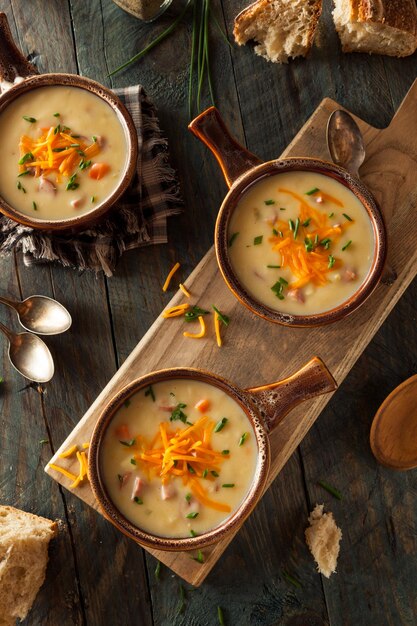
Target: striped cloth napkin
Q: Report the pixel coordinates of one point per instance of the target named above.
(138, 219)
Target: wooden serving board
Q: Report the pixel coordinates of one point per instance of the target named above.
(256, 352)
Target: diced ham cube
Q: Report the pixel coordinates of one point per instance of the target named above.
(123, 480)
(349, 274)
(138, 487)
(168, 491)
(46, 185)
(296, 294)
(77, 203)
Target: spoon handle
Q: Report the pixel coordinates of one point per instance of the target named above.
(7, 332)
(8, 302)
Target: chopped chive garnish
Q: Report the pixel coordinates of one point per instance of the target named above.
(220, 425)
(58, 149)
(274, 267)
(243, 439)
(326, 243)
(190, 468)
(331, 214)
(158, 571)
(335, 492)
(331, 261)
(314, 190)
(92, 199)
(74, 145)
(307, 222)
(214, 473)
(275, 232)
(129, 444)
(220, 616)
(188, 497)
(296, 227)
(291, 224)
(193, 533)
(138, 500)
(291, 579)
(309, 246)
(222, 317)
(71, 183)
(84, 164)
(316, 240)
(232, 238)
(34, 206)
(133, 461)
(199, 557)
(192, 515)
(278, 288)
(178, 413)
(94, 138)
(25, 158)
(228, 485)
(280, 233)
(346, 246)
(349, 219)
(281, 208)
(25, 173)
(31, 120)
(57, 129)
(42, 441)
(20, 186)
(257, 240)
(126, 403)
(56, 114)
(204, 474)
(150, 392)
(225, 452)
(269, 201)
(194, 313)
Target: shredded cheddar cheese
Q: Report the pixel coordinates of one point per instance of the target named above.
(82, 465)
(184, 290)
(169, 277)
(186, 453)
(202, 330)
(68, 453)
(63, 471)
(175, 311)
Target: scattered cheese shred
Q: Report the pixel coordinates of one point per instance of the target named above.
(86, 445)
(170, 275)
(68, 452)
(175, 311)
(202, 330)
(186, 453)
(217, 329)
(62, 470)
(184, 290)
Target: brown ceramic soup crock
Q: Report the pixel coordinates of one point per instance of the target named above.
(264, 407)
(242, 170)
(14, 68)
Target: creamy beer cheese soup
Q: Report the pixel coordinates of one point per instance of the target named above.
(178, 458)
(64, 152)
(300, 242)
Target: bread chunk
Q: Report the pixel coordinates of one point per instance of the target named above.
(24, 540)
(323, 538)
(377, 26)
(283, 29)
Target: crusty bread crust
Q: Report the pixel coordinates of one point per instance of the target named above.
(399, 14)
(258, 11)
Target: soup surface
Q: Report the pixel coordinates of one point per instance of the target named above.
(64, 152)
(300, 242)
(178, 458)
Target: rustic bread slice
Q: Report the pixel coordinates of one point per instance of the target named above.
(323, 538)
(283, 28)
(377, 26)
(24, 540)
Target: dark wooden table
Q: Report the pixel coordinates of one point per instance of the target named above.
(95, 575)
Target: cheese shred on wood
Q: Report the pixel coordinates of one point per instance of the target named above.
(217, 329)
(184, 453)
(184, 290)
(202, 330)
(82, 464)
(175, 311)
(169, 277)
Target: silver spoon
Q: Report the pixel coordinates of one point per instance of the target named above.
(41, 315)
(345, 142)
(29, 355)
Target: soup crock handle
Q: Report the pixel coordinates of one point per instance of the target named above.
(12, 62)
(233, 158)
(275, 400)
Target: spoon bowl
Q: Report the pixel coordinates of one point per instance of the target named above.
(345, 142)
(41, 315)
(393, 436)
(30, 356)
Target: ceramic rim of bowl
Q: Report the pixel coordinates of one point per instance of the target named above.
(236, 519)
(84, 220)
(335, 172)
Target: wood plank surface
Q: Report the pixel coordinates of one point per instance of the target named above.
(265, 104)
(340, 344)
